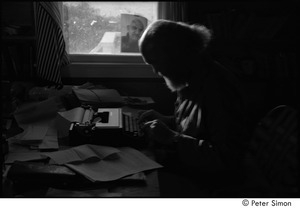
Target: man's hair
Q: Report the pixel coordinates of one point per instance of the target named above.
(178, 39)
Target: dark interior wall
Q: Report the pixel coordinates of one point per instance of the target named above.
(261, 94)
(17, 40)
(17, 13)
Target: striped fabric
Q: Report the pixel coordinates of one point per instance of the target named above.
(51, 53)
(175, 11)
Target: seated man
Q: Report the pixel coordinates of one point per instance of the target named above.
(206, 133)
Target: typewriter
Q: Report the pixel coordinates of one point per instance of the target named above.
(106, 126)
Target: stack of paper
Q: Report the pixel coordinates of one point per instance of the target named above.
(38, 135)
(102, 163)
(73, 115)
(38, 122)
(104, 97)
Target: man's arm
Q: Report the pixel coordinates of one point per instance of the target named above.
(223, 118)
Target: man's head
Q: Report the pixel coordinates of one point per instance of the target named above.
(135, 29)
(172, 48)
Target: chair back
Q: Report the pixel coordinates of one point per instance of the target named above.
(274, 149)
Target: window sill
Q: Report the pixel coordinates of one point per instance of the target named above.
(108, 70)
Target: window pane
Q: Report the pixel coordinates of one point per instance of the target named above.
(98, 27)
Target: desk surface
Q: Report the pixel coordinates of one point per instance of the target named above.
(132, 190)
(149, 189)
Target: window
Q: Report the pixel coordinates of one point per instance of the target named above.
(96, 28)
(93, 33)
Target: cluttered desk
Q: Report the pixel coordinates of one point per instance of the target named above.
(80, 142)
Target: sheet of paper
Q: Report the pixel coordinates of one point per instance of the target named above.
(33, 132)
(73, 115)
(62, 125)
(99, 95)
(23, 156)
(82, 153)
(130, 161)
(50, 140)
(39, 135)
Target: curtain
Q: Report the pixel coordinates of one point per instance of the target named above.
(175, 11)
(51, 47)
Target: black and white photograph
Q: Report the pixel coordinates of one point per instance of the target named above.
(133, 27)
(145, 103)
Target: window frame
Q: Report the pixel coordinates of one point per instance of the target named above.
(129, 66)
(107, 58)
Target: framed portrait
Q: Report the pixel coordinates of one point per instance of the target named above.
(132, 28)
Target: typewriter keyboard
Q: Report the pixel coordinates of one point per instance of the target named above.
(131, 126)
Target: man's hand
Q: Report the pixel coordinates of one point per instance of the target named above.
(150, 115)
(158, 131)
